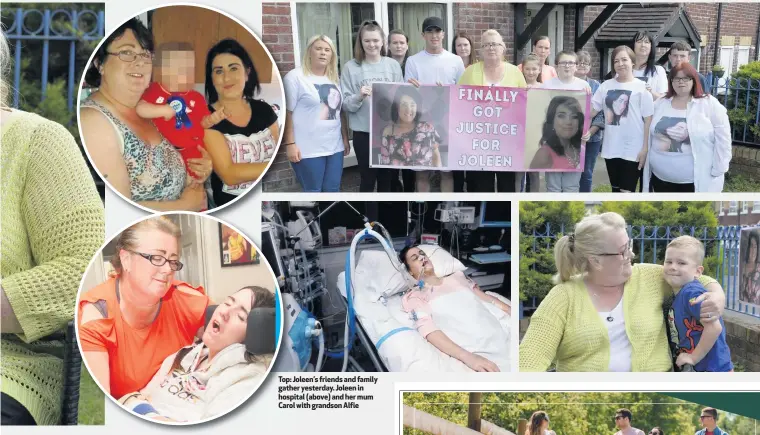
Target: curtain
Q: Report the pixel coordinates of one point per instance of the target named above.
(331, 19)
(409, 17)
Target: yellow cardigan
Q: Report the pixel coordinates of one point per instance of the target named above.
(567, 329)
(53, 223)
(474, 76)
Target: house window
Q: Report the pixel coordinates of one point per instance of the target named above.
(756, 207)
(409, 17)
(339, 21)
(745, 207)
(733, 207)
(742, 56)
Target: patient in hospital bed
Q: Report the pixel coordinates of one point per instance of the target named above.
(449, 313)
(216, 374)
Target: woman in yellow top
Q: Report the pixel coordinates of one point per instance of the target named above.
(493, 70)
(605, 314)
(53, 222)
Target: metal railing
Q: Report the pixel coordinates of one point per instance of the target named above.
(649, 243)
(741, 96)
(76, 26)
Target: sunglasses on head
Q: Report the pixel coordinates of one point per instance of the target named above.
(368, 22)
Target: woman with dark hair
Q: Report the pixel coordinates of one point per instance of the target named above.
(656, 431)
(127, 150)
(542, 48)
(644, 68)
(750, 285)
(407, 141)
(690, 136)
(368, 65)
(539, 424)
(560, 146)
(464, 48)
(628, 108)
(216, 373)
(329, 97)
(616, 105)
(244, 141)
(398, 47)
(450, 313)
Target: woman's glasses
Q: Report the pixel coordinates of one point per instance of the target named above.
(626, 250)
(130, 56)
(490, 45)
(682, 79)
(160, 260)
(566, 63)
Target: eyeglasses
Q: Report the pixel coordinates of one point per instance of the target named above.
(130, 56)
(682, 79)
(702, 417)
(566, 63)
(490, 45)
(625, 251)
(160, 260)
(584, 64)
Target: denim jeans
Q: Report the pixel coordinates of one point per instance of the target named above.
(562, 181)
(592, 152)
(320, 174)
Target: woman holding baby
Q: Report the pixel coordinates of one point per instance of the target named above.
(138, 331)
(125, 148)
(605, 313)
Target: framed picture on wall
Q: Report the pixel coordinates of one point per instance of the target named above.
(235, 249)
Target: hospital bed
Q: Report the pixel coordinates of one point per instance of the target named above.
(384, 329)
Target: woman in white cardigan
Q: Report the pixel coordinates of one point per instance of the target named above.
(690, 138)
(215, 375)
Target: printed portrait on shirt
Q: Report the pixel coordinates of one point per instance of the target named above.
(330, 101)
(671, 135)
(750, 266)
(616, 106)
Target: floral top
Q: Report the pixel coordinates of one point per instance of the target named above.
(414, 148)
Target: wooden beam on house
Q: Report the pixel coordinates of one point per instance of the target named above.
(520, 9)
(524, 37)
(580, 8)
(596, 25)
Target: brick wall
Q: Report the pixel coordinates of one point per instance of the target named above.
(746, 161)
(737, 20)
(475, 18)
(751, 217)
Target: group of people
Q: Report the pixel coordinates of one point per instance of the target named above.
(657, 131)
(539, 424)
(163, 145)
(606, 314)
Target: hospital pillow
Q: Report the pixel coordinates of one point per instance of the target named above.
(260, 331)
(379, 276)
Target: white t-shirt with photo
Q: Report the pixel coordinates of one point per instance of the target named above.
(670, 156)
(623, 132)
(316, 125)
(658, 80)
(575, 85)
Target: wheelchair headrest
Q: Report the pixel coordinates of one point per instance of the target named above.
(260, 332)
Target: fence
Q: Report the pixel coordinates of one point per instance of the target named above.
(649, 244)
(74, 31)
(740, 96)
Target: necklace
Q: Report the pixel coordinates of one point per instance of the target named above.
(610, 318)
(573, 155)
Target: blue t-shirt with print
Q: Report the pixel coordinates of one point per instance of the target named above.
(686, 317)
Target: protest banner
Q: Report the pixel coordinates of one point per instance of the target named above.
(477, 128)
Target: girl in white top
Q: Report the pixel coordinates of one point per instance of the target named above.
(654, 76)
(316, 131)
(539, 424)
(628, 109)
(213, 376)
(690, 138)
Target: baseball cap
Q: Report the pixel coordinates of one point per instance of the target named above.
(432, 22)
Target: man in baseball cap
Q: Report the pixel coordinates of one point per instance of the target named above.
(431, 66)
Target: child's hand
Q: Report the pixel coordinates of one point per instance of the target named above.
(213, 119)
(685, 358)
(167, 112)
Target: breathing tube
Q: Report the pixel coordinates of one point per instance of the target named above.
(350, 329)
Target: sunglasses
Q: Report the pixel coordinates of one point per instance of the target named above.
(368, 22)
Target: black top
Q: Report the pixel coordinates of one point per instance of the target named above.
(262, 116)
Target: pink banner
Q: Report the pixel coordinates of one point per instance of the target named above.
(478, 128)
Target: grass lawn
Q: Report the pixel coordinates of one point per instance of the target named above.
(740, 183)
(91, 401)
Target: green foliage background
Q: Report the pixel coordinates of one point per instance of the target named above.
(576, 413)
(742, 111)
(537, 264)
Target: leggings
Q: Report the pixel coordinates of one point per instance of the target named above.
(14, 413)
(370, 175)
(658, 185)
(483, 181)
(624, 174)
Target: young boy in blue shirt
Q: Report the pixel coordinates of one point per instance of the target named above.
(700, 345)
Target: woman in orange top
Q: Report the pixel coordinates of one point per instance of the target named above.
(129, 324)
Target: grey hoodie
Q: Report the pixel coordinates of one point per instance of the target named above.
(355, 76)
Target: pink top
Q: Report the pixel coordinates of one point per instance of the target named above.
(417, 301)
(558, 161)
(547, 72)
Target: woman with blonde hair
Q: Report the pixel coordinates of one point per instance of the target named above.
(493, 70)
(605, 314)
(316, 131)
(131, 322)
(53, 223)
